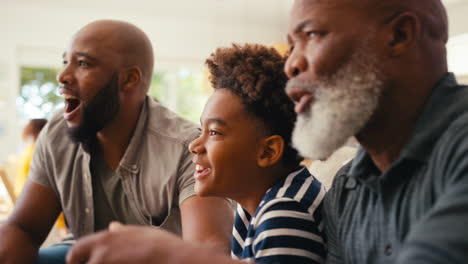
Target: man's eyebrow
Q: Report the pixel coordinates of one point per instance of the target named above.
(301, 25)
(298, 29)
(64, 54)
(86, 55)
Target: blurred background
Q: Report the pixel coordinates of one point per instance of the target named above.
(34, 34)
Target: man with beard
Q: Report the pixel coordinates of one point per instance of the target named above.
(377, 70)
(126, 157)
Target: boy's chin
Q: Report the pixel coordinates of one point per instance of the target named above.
(204, 191)
(200, 190)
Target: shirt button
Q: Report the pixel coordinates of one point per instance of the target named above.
(350, 183)
(87, 210)
(388, 250)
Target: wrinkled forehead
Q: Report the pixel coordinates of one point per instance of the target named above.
(332, 11)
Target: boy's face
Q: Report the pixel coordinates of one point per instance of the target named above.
(227, 150)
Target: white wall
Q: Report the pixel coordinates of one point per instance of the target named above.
(183, 33)
(457, 47)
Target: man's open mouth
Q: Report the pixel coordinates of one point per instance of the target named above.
(72, 105)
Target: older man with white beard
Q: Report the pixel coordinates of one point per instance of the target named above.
(377, 70)
(341, 112)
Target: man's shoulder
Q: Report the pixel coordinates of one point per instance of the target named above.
(452, 146)
(164, 123)
(455, 132)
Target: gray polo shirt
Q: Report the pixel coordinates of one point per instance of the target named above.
(156, 171)
(417, 211)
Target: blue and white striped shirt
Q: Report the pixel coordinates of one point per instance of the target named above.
(287, 226)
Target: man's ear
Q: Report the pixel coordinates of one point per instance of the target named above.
(132, 77)
(271, 151)
(404, 29)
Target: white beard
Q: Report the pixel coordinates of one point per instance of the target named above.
(341, 106)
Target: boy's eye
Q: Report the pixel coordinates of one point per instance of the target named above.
(214, 132)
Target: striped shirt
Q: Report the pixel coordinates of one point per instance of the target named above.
(287, 226)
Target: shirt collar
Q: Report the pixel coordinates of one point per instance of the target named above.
(426, 131)
(133, 151)
(364, 170)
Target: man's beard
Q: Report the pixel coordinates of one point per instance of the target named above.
(341, 106)
(97, 113)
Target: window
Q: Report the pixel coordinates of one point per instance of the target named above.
(457, 56)
(183, 91)
(38, 97)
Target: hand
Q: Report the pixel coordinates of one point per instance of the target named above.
(125, 244)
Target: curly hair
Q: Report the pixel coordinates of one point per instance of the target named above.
(255, 73)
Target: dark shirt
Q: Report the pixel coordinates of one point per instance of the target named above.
(417, 211)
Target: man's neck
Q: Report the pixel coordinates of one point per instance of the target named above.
(384, 146)
(392, 125)
(115, 138)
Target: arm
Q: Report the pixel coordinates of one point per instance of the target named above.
(441, 235)
(154, 246)
(28, 226)
(208, 220)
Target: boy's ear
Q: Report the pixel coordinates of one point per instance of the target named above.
(271, 151)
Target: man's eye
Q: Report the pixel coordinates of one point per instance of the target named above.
(312, 34)
(82, 63)
(64, 62)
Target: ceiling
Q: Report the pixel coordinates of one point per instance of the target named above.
(247, 11)
(270, 11)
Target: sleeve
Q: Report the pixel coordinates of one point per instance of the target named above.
(186, 182)
(38, 168)
(286, 233)
(441, 236)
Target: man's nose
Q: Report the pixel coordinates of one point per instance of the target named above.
(295, 64)
(65, 77)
